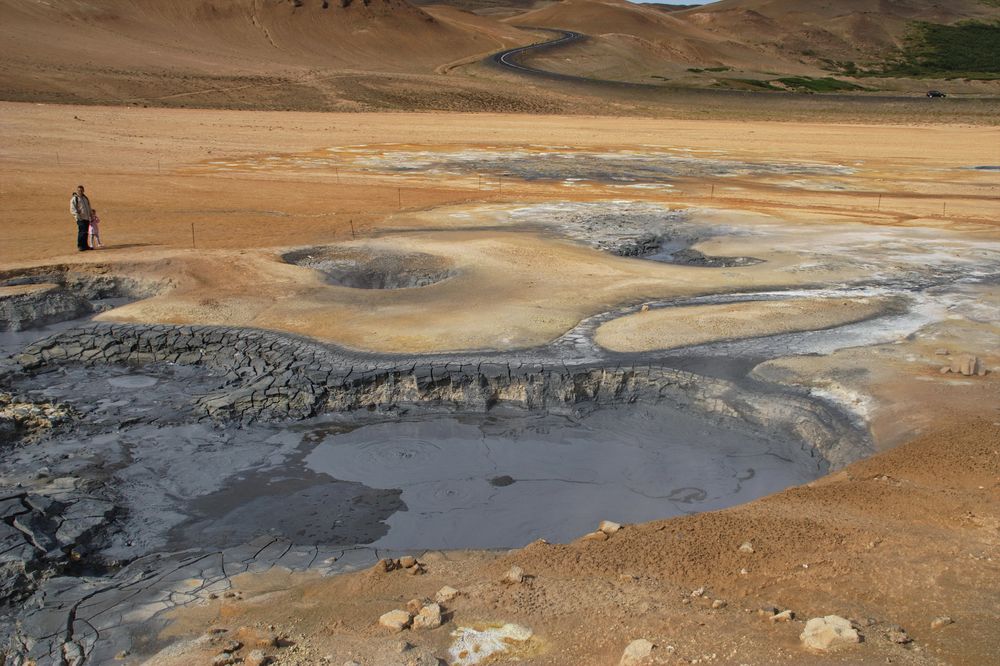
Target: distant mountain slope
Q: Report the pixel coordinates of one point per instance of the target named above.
(250, 50)
(366, 34)
(732, 41)
(846, 28)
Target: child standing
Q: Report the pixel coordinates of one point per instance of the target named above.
(95, 230)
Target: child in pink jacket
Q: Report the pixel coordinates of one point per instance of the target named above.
(95, 230)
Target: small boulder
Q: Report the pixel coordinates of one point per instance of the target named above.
(700, 592)
(407, 561)
(942, 621)
(637, 652)
(718, 603)
(395, 620)
(823, 634)
(514, 576)
(446, 594)
(898, 635)
(609, 527)
(595, 536)
(413, 606)
(746, 547)
(783, 616)
(429, 617)
(257, 658)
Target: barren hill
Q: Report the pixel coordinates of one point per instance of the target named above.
(124, 50)
(365, 54)
(736, 41)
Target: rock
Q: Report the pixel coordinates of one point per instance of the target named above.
(595, 536)
(514, 576)
(609, 527)
(966, 365)
(941, 352)
(417, 570)
(429, 617)
(767, 611)
(637, 652)
(942, 621)
(257, 637)
(407, 561)
(718, 603)
(385, 565)
(898, 635)
(828, 633)
(257, 658)
(645, 307)
(783, 616)
(225, 659)
(969, 366)
(395, 620)
(944, 370)
(446, 594)
(700, 592)
(413, 606)
(746, 547)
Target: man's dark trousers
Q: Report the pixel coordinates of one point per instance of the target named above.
(82, 231)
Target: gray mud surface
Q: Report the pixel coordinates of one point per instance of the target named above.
(359, 270)
(559, 476)
(651, 166)
(202, 452)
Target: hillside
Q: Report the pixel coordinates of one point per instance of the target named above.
(278, 52)
(742, 43)
(352, 55)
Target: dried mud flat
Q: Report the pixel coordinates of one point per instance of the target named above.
(394, 339)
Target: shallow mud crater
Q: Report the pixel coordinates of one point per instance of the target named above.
(361, 268)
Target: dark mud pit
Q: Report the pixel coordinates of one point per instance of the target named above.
(139, 492)
(361, 269)
(558, 476)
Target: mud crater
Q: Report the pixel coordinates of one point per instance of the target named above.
(361, 268)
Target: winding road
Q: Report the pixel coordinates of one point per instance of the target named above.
(509, 57)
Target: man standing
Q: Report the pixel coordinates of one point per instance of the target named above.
(79, 206)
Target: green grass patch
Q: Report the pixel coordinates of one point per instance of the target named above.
(825, 84)
(699, 70)
(744, 84)
(968, 50)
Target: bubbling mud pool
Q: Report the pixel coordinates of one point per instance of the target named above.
(492, 481)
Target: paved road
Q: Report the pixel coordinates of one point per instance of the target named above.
(509, 58)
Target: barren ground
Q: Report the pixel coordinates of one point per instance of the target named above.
(187, 197)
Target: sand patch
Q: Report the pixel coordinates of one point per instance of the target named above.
(22, 289)
(667, 328)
